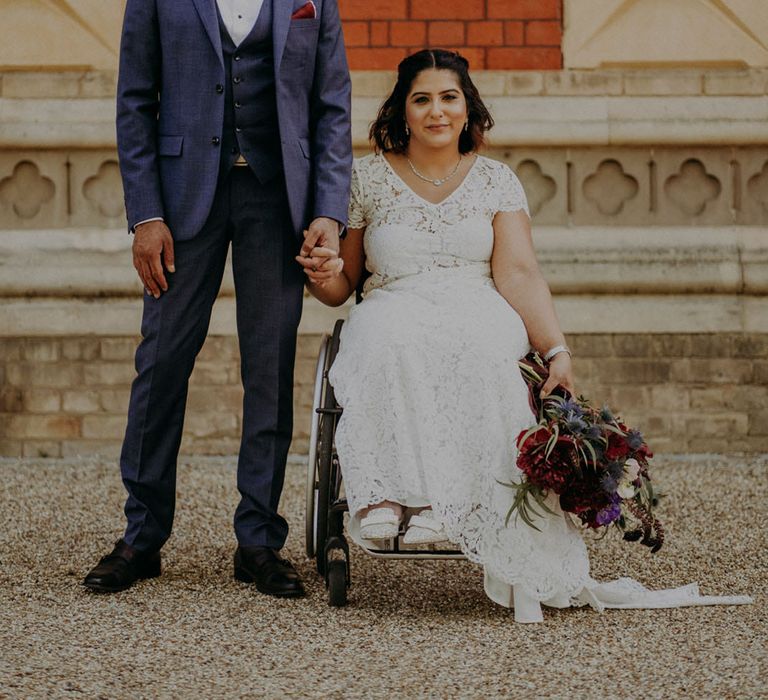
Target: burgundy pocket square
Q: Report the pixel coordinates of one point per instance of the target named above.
(306, 11)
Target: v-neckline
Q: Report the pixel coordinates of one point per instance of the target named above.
(423, 199)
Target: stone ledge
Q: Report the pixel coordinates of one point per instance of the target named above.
(42, 84)
(520, 121)
(584, 313)
(92, 263)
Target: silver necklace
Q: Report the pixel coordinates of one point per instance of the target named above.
(434, 181)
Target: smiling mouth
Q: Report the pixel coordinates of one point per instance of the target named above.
(438, 126)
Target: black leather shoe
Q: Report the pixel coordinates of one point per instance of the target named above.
(271, 574)
(121, 568)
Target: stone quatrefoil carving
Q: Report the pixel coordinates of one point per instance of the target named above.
(693, 187)
(539, 188)
(104, 190)
(609, 187)
(26, 191)
(757, 186)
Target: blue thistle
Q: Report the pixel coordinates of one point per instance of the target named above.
(574, 423)
(609, 484)
(606, 415)
(571, 406)
(616, 470)
(635, 439)
(593, 432)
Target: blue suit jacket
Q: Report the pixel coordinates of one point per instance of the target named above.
(170, 115)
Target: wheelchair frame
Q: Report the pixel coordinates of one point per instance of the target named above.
(325, 506)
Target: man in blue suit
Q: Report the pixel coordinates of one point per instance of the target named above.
(233, 127)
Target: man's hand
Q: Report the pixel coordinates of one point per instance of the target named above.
(153, 248)
(322, 233)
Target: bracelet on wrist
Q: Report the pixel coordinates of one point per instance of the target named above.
(550, 354)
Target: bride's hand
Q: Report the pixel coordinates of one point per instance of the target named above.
(560, 374)
(321, 265)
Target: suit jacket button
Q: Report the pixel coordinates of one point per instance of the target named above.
(219, 89)
(215, 140)
(236, 80)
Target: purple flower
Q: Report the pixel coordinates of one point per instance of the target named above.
(608, 514)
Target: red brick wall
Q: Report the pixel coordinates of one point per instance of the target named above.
(491, 34)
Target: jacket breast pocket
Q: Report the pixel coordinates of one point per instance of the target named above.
(301, 44)
(170, 145)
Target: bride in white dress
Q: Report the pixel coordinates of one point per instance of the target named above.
(427, 369)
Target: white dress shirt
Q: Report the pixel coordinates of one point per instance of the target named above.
(239, 17)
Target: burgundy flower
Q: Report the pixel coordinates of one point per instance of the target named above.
(553, 472)
(617, 447)
(585, 493)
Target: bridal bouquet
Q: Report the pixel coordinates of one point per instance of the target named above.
(597, 466)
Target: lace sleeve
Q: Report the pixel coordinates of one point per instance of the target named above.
(512, 193)
(356, 217)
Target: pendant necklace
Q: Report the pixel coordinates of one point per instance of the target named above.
(434, 181)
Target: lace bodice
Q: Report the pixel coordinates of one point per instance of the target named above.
(406, 234)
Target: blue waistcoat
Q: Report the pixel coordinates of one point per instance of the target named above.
(250, 109)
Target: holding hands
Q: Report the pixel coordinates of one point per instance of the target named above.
(321, 264)
(320, 252)
(322, 232)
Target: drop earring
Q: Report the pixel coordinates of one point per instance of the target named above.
(466, 125)
(407, 130)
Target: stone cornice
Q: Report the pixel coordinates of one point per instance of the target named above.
(491, 83)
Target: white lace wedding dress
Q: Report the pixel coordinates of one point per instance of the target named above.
(433, 398)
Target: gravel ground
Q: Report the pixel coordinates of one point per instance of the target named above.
(412, 629)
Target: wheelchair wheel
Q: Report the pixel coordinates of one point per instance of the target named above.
(337, 583)
(324, 516)
(327, 524)
(310, 519)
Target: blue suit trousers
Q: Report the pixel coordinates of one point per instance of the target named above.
(255, 219)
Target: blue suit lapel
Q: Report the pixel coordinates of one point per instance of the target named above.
(207, 11)
(281, 22)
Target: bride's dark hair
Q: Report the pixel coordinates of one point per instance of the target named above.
(388, 131)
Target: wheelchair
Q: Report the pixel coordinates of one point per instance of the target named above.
(326, 504)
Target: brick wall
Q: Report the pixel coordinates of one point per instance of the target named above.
(491, 34)
(687, 392)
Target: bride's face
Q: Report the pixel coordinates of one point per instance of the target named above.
(435, 109)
